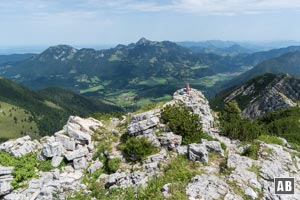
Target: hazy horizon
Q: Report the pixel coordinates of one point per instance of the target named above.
(20, 49)
(78, 22)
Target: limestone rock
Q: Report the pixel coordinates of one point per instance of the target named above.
(151, 137)
(275, 162)
(141, 123)
(71, 155)
(5, 180)
(199, 105)
(206, 186)
(80, 163)
(68, 143)
(170, 140)
(232, 196)
(86, 125)
(95, 166)
(20, 146)
(75, 132)
(182, 150)
(5, 170)
(52, 148)
(165, 190)
(162, 156)
(123, 180)
(250, 193)
(56, 160)
(235, 160)
(197, 152)
(213, 146)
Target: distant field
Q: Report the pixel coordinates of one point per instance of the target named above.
(153, 82)
(210, 81)
(92, 89)
(15, 122)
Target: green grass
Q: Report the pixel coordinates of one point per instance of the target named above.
(210, 81)
(113, 58)
(178, 172)
(122, 98)
(143, 102)
(252, 151)
(270, 139)
(52, 105)
(15, 121)
(24, 167)
(153, 81)
(199, 67)
(92, 89)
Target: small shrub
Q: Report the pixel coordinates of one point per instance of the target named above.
(44, 165)
(184, 123)
(137, 149)
(252, 151)
(223, 169)
(112, 165)
(24, 167)
(223, 146)
(234, 127)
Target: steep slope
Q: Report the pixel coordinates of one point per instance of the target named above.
(258, 57)
(288, 64)
(43, 112)
(262, 94)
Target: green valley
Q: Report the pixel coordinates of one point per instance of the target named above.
(43, 112)
(16, 122)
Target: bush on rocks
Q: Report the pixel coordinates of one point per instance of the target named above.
(137, 149)
(112, 165)
(184, 123)
(234, 127)
(252, 150)
(24, 167)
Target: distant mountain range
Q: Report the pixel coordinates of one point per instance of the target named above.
(145, 67)
(5, 59)
(41, 112)
(220, 47)
(146, 71)
(286, 61)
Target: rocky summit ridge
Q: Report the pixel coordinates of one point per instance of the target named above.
(266, 93)
(222, 172)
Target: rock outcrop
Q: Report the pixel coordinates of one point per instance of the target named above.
(73, 143)
(5, 180)
(206, 187)
(50, 183)
(266, 93)
(199, 105)
(144, 123)
(20, 146)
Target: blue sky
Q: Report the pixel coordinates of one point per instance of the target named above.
(78, 22)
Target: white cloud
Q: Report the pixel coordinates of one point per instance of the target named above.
(199, 7)
(235, 6)
(202, 7)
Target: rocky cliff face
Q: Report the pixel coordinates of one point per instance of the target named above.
(266, 93)
(219, 172)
